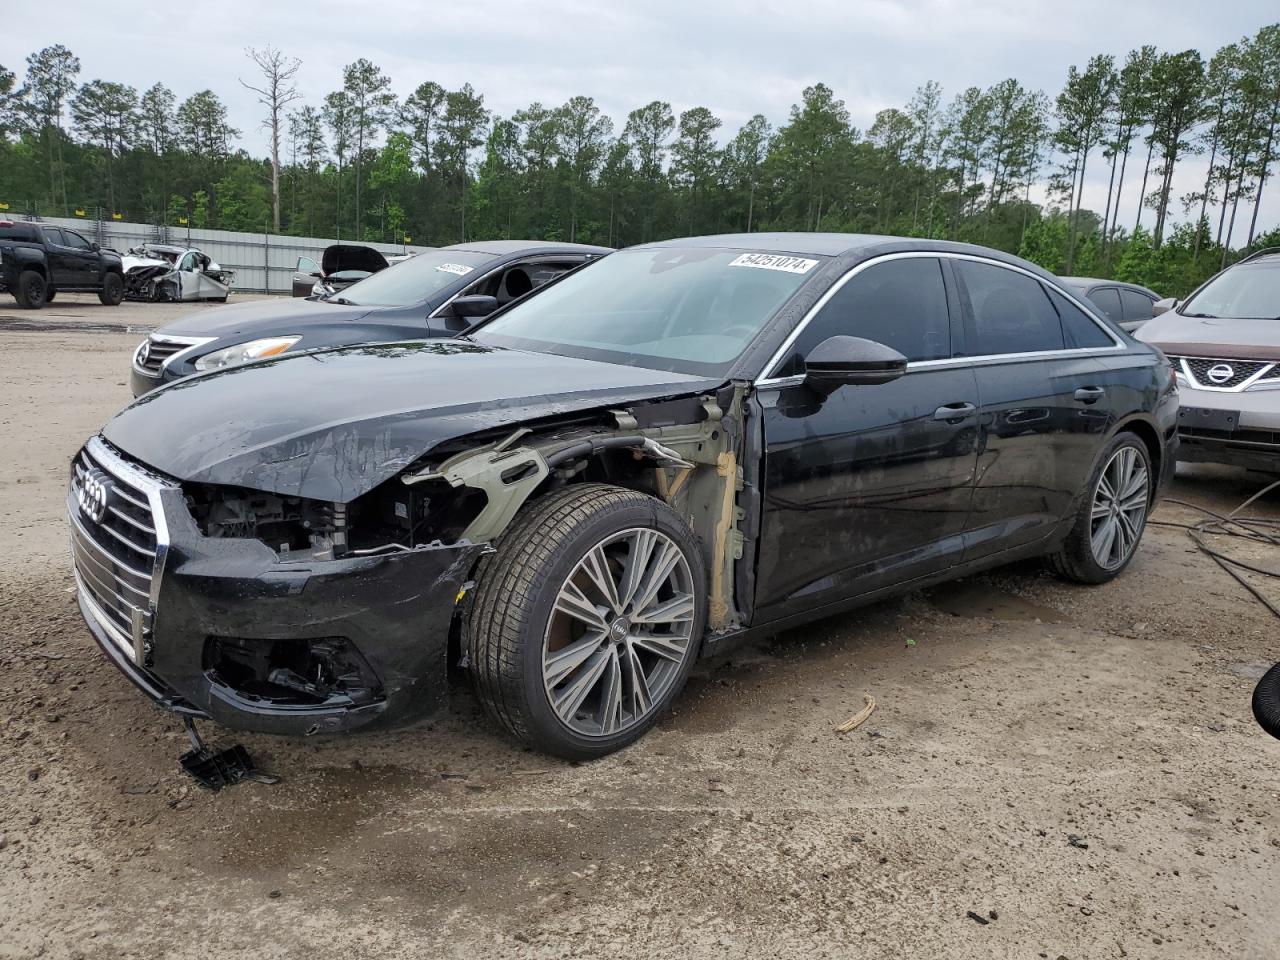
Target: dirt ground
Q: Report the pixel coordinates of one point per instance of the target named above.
(1052, 771)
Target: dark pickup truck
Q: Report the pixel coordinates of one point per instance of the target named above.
(38, 259)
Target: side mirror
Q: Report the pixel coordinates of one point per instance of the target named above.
(842, 361)
(1163, 306)
(475, 306)
(94, 246)
(317, 274)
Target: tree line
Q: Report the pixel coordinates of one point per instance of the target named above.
(440, 167)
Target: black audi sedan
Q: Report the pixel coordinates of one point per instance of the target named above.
(437, 293)
(684, 444)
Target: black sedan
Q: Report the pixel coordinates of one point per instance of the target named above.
(438, 293)
(684, 444)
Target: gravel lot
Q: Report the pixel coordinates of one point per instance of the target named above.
(1015, 713)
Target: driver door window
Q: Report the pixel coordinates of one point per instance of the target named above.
(901, 303)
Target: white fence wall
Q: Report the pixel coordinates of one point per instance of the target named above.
(264, 263)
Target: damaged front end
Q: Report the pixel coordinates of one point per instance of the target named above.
(295, 615)
(263, 612)
(161, 272)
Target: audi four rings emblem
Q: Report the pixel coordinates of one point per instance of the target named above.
(1220, 372)
(93, 493)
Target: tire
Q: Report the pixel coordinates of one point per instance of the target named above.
(31, 290)
(112, 291)
(1088, 555)
(1266, 701)
(49, 294)
(519, 619)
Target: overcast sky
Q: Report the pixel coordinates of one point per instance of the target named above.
(737, 58)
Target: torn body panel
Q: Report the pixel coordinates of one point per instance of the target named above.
(694, 466)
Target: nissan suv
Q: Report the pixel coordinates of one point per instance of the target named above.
(1224, 341)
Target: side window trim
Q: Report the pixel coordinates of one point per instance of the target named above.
(769, 377)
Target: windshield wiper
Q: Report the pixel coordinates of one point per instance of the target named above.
(341, 301)
(1202, 316)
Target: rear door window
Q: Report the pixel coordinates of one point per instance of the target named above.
(1136, 306)
(1078, 329)
(1107, 299)
(1009, 312)
(54, 236)
(901, 303)
(71, 239)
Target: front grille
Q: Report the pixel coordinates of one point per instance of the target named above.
(114, 553)
(157, 351)
(1227, 374)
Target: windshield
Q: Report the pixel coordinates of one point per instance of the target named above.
(1248, 292)
(414, 280)
(677, 309)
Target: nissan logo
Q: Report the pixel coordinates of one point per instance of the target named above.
(93, 493)
(1220, 372)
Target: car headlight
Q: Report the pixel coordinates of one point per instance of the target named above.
(320, 290)
(244, 352)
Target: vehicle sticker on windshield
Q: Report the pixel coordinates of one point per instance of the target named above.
(775, 261)
(457, 268)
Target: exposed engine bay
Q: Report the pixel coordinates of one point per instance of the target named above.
(166, 272)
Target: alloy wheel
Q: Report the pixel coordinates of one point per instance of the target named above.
(1119, 508)
(619, 633)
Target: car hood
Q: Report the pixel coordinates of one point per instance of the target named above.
(1211, 337)
(333, 424)
(253, 318)
(341, 256)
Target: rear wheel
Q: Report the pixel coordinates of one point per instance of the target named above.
(31, 291)
(1112, 517)
(587, 619)
(112, 291)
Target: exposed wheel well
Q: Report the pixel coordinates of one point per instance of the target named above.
(1151, 439)
(35, 268)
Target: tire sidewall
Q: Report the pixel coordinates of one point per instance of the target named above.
(28, 280)
(112, 290)
(655, 515)
(1097, 571)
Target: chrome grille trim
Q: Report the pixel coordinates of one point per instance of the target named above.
(164, 349)
(118, 561)
(1248, 372)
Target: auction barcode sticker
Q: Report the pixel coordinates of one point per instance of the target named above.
(775, 261)
(460, 269)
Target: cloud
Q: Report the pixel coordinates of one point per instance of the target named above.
(737, 58)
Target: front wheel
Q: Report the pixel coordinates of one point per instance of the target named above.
(112, 291)
(1112, 517)
(587, 619)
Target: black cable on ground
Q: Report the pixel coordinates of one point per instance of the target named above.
(1255, 529)
(1266, 695)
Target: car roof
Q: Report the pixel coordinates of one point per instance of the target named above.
(1088, 283)
(500, 248)
(859, 245)
(1267, 255)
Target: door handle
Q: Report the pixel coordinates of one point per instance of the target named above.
(1090, 394)
(954, 411)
